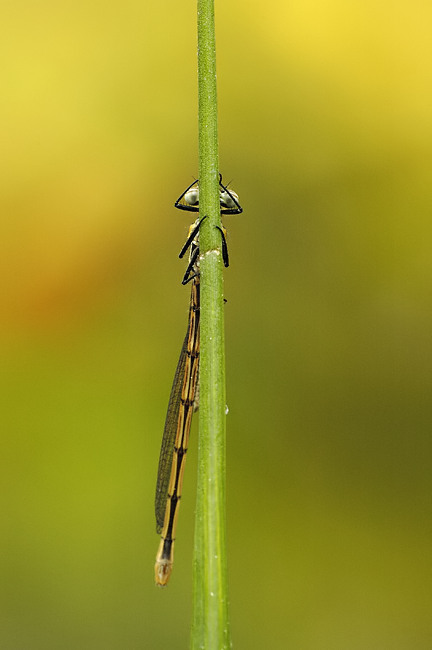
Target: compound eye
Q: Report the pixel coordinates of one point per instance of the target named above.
(192, 196)
(227, 199)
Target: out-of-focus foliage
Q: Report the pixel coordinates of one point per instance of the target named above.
(325, 128)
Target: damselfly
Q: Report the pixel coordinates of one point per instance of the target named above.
(183, 399)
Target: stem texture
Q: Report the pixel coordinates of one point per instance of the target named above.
(210, 628)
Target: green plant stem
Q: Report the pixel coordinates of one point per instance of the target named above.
(210, 629)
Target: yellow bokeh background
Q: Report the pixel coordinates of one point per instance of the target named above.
(325, 128)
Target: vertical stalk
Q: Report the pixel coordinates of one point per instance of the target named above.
(210, 629)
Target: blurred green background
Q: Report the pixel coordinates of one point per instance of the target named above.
(325, 128)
